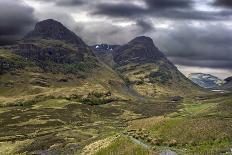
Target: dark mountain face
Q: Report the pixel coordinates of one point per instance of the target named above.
(52, 45)
(140, 49)
(228, 84)
(51, 29)
(229, 79)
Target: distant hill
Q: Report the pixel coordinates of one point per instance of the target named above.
(206, 80)
(228, 84)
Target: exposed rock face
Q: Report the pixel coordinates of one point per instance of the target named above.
(59, 55)
(140, 49)
(51, 29)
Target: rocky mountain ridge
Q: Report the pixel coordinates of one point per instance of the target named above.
(206, 80)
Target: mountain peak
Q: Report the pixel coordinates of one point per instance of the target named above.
(140, 49)
(52, 29)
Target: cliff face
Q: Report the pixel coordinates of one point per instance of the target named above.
(55, 53)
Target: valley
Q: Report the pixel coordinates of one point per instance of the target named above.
(60, 96)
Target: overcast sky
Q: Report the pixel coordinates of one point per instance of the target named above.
(195, 34)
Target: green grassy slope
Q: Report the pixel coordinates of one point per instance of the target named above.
(198, 127)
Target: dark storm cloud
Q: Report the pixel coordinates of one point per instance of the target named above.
(145, 26)
(129, 10)
(105, 32)
(221, 64)
(119, 10)
(207, 46)
(70, 2)
(170, 9)
(15, 19)
(225, 3)
(171, 23)
(164, 4)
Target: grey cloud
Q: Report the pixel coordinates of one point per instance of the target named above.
(118, 10)
(16, 19)
(220, 64)
(208, 46)
(145, 26)
(171, 9)
(70, 2)
(225, 3)
(104, 32)
(66, 3)
(163, 4)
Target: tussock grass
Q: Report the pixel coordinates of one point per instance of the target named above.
(123, 146)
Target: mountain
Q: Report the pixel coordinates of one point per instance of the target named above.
(51, 29)
(60, 96)
(228, 84)
(139, 50)
(147, 70)
(52, 61)
(51, 45)
(205, 80)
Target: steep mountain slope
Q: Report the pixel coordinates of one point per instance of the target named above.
(148, 71)
(52, 61)
(228, 84)
(205, 80)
